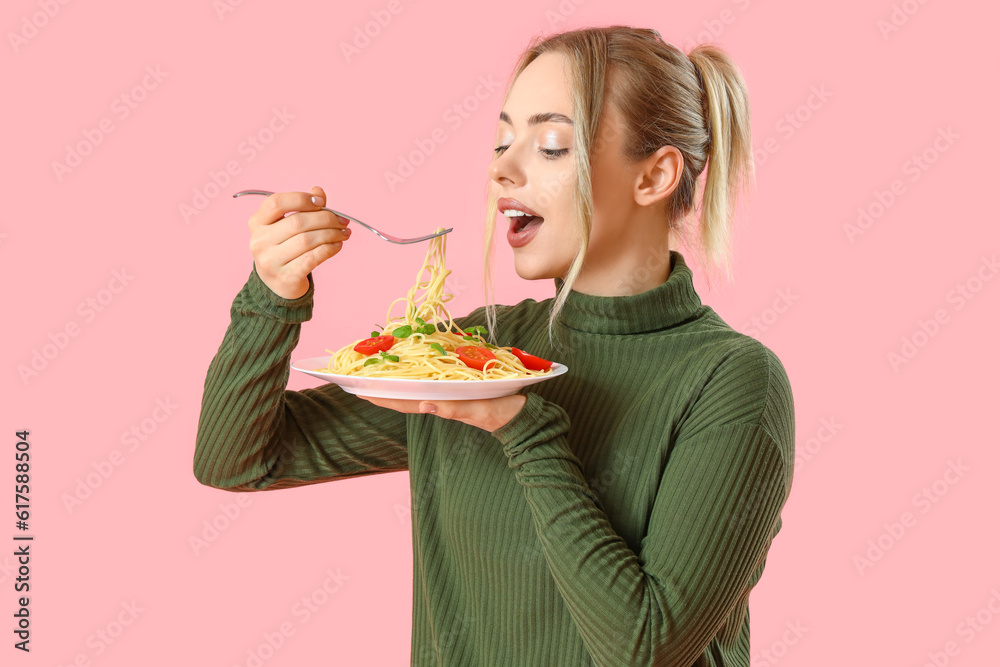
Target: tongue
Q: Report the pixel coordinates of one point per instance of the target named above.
(528, 221)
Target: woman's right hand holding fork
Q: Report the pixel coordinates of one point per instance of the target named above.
(290, 235)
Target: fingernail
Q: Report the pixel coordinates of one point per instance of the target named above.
(428, 408)
(317, 200)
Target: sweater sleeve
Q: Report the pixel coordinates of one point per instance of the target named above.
(715, 513)
(254, 434)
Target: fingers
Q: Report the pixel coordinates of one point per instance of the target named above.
(290, 235)
(305, 263)
(319, 224)
(275, 207)
(280, 243)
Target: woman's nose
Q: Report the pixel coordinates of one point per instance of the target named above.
(505, 169)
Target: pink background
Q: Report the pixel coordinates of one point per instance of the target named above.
(895, 429)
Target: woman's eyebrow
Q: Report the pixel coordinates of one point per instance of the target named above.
(538, 118)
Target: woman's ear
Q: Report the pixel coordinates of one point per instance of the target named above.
(659, 175)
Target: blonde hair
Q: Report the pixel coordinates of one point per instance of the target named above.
(697, 103)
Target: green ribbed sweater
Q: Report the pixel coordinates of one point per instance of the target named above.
(622, 517)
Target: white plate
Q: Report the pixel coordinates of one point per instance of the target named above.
(442, 390)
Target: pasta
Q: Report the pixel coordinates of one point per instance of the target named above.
(426, 342)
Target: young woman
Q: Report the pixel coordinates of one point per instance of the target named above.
(620, 514)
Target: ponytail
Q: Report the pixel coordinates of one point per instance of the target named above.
(726, 110)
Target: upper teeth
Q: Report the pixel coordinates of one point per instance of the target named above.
(513, 212)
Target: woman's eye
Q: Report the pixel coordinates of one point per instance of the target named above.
(553, 153)
(549, 153)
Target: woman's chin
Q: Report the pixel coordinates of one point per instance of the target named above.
(529, 270)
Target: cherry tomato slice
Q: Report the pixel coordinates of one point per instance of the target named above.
(530, 361)
(475, 356)
(376, 344)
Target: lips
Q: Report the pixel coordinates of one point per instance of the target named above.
(506, 203)
(518, 222)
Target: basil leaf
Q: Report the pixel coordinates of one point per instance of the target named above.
(437, 346)
(375, 334)
(403, 331)
(428, 329)
(373, 360)
(392, 357)
(419, 321)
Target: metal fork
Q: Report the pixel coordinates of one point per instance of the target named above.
(388, 237)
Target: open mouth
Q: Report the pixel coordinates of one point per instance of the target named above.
(521, 222)
(522, 219)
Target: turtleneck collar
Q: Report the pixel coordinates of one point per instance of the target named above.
(661, 307)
